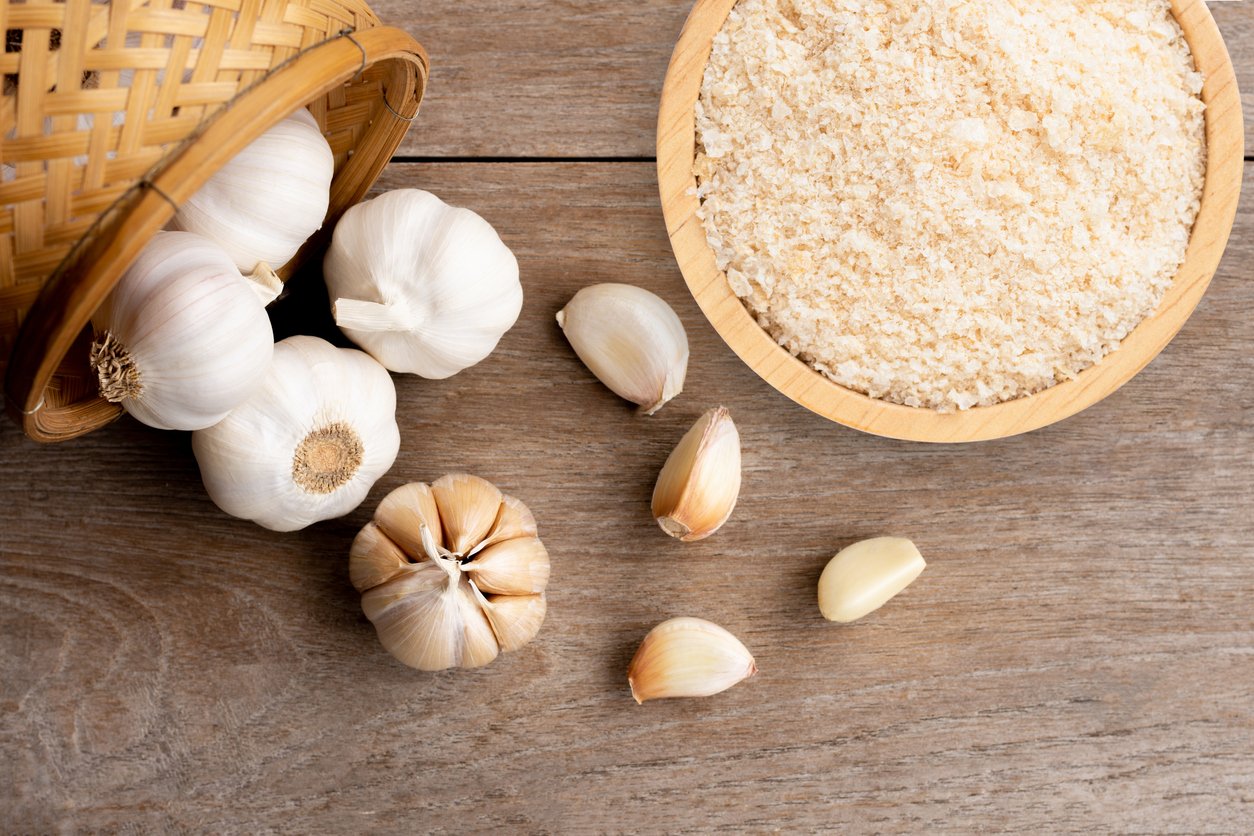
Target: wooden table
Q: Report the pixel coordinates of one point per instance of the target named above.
(1079, 655)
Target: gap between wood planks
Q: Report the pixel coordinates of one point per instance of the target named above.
(439, 159)
(1249, 158)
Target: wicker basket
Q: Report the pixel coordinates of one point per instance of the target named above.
(115, 113)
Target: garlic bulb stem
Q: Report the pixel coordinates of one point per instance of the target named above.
(265, 283)
(373, 317)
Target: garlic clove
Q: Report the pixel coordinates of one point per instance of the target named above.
(514, 567)
(468, 508)
(479, 644)
(700, 482)
(862, 577)
(687, 657)
(417, 619)
(514, 520)
(631, 340)
(374, 558)
(404, 512)
(516, 619)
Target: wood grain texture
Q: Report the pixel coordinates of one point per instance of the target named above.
(581, 78)
(676, 144)
(1077, 655)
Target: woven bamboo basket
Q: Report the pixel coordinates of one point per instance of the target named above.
(115, 113)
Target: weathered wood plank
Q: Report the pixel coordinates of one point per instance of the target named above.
(582, 79)
(1077, 655)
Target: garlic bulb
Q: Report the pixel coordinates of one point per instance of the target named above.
(182, 339)
(863, 577)
(700, 482)
(422, 286)
(631, 340)
(269, 199)
(451, 574)
(309, 444)
(688, 657)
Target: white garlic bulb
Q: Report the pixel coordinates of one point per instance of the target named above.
(182, 339)
(311, 442)
(631, 340)
(451, 574)
(422, 286)
(269, 199)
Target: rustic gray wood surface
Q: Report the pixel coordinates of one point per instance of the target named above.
(1079, 654)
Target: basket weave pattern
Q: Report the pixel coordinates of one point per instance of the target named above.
(99, 96)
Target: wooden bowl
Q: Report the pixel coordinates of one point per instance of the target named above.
(676, 142)
(193, 85)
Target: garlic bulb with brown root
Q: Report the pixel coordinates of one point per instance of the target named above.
(309, 445)
(182, 339)
(451, 574)
(269, 199)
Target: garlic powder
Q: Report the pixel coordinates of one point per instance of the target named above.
(950, 203)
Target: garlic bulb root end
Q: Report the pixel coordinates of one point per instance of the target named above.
(115, 369)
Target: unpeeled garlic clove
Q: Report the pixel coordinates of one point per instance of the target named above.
(698, 486)
(862, 578)
(687, 657)
(513, 567)
(515, 619)
(468, 506)
(631, 340)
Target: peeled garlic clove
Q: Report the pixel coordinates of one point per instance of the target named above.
(700, 482)
(404, 512)
(432, 613)
(513, 567)
(631, 340)
(468, 508)
(309, 444)
(862, 578)
(269, 199)
(516, 619)
(422, 286)
(688, 657)
(182, 339)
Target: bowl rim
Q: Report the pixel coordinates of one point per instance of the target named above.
(676, 147)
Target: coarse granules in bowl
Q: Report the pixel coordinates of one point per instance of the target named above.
(950, 208)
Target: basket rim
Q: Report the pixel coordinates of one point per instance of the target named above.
(72, 294)
(676, 144)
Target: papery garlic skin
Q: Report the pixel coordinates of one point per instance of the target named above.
(309, 445)
(451, 574)
(700, 482)
(688, 657)
(269, 199)
(631, 340)
(863, 577)
(182, 339)
(423, 287)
